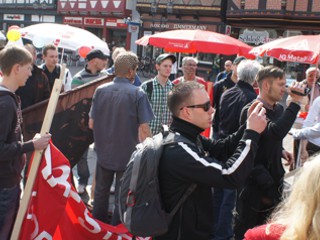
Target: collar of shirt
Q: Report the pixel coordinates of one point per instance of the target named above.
(121, 79)
(267, 105)
(157, 82)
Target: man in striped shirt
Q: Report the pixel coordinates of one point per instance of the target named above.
(157, 90)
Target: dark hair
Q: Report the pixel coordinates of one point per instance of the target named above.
(48, 47)
(269, 73)
(12, 55)
(180, 95)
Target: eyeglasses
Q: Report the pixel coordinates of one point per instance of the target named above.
(205, 106)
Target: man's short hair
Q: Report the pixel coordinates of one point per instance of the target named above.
(11, 55)
(124, 62)
(48, 47)
(117, 51)
(313, 69)
(188, 59)
(269, 73)
(180, 96)
(247, 71)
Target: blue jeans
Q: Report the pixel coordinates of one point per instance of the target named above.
(9, 205)
(104, 179)
(224, 203)
(83, 169)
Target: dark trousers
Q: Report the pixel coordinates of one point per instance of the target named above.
(104, 179)
(224, 203)
(253, 207)
(9, 205)
(83, 169)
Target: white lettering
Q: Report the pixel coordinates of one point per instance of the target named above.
(96, 227)
(44, 235)
(54, 180)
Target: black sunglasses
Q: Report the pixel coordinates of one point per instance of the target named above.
(206, 106)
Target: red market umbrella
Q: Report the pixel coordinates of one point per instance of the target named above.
(302, 49)
(193, 41)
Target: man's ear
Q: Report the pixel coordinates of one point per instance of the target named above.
(185, 113)
(265, 85)
(15, 68)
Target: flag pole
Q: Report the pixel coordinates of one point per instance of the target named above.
(37, 155)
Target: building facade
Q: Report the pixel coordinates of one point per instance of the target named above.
(259, 21)
(160, 15)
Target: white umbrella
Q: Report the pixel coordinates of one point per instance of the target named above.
(2, 36)
(63, 36)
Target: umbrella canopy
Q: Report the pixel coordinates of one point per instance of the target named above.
(63, 36)
(193, 41)
(302, 48)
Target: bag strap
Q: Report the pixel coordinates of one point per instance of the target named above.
(184, 197)
(149, 89)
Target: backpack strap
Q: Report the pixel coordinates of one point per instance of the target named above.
(184, 197)
(149, 89)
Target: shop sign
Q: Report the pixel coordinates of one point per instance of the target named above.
(255, 37)
(177, 26)
(73, 20)
(115, 22)
(94, 21)
(13, 17)
(189, 26)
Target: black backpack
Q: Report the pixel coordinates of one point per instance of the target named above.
(140, 205)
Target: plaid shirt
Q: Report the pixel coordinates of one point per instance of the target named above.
(159, 105)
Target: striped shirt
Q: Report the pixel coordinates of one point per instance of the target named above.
(159, 104)
(85, 76)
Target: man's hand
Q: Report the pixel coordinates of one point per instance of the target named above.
(288, 157)
(257, 120)
(297, 87)
(41, 142)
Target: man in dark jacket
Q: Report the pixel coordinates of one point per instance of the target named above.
(219, 88)
(37, 86)
(15, 65)
(182, 164)
(231, 103)
(263, 188)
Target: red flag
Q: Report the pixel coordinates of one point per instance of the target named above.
(56, 210)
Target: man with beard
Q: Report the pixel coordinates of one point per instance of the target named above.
(263, 188)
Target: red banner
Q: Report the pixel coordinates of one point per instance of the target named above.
(56, 210)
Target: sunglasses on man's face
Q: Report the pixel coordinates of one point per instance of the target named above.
(205, 106)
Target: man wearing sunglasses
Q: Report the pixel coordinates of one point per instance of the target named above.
(183, 164)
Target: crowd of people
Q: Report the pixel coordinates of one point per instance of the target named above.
(238, 168)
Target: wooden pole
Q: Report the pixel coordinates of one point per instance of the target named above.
(37, 155)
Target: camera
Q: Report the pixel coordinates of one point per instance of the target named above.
(306, 92)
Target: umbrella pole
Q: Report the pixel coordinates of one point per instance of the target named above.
(62, 53)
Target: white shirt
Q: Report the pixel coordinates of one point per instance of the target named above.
(312, 123)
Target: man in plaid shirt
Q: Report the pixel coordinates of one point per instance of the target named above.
(157, 90)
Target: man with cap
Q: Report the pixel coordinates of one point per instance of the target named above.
(219, 88)
(94, 69)
(157, 90)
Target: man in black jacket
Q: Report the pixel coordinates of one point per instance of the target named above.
(231, 103)
(16, 66)
(263, 188)
(182, 164)
(37, 86)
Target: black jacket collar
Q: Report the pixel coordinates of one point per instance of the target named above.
(185, 128)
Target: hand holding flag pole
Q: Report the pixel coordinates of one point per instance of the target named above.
(37, 155)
